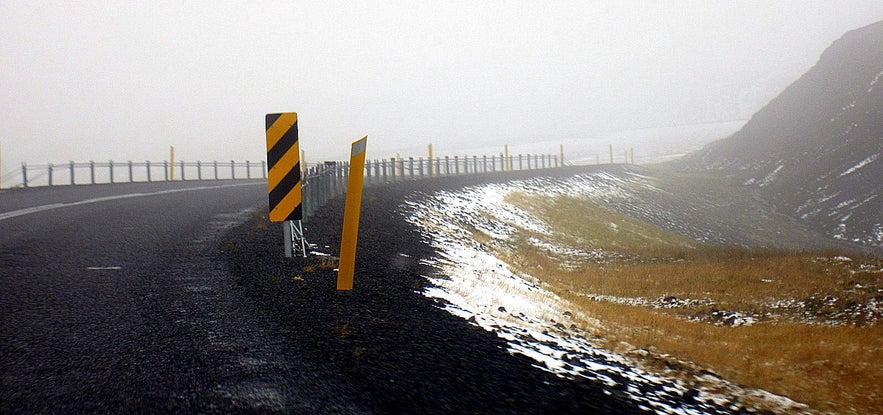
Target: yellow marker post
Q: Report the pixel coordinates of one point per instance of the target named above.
(350, 235)
(172, 163)
(430, 160)
(506, 165)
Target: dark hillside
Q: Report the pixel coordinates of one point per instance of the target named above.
(815, 150)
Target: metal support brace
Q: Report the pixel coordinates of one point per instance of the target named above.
(295, 243)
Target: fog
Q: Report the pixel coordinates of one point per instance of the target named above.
(125, 80)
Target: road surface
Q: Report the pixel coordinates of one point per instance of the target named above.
(112, 300)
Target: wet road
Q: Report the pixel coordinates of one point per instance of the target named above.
(112, 300)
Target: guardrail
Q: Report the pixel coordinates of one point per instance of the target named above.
(320, 183)
(328, 180)
(92, 172)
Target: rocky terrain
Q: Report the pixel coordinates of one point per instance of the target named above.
(815, 150)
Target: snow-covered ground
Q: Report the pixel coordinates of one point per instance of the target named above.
(483, 289)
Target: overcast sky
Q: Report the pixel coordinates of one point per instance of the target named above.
(124, 80)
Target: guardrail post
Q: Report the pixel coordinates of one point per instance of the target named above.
(248, 169)
(92, 171)
(73, 182)
(383, 167)
(346, 175)
(368, 171)
(457, 165)
(392, 172)
(110, 168)
(316, 182)
(377, 170)
(199, 170)
(148, 171)
(215, 163)
(335, 176)
(342, 178)
(50, 174)
(165, 169)
(263, 169)
(332, 179)
(24, 175)
(319, 181)
(130, 172)
(324, 185)
(233, 169)
(183, 177)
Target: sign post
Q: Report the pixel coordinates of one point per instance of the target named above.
(351, 210)
(284, 179)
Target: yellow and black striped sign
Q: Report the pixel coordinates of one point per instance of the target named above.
(283, 164)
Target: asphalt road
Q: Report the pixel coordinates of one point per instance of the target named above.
(112, 300)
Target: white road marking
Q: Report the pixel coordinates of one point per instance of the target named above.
(104, 268)
(43, 208)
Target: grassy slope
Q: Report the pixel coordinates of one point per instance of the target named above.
(815, 351)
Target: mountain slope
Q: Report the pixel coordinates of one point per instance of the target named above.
(816, 150)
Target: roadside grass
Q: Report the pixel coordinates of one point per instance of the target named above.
(812, 334)
(604, 229)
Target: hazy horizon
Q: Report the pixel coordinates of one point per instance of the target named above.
(124, 81)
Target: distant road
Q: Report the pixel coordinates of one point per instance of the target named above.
(19, 201)
(112, 301)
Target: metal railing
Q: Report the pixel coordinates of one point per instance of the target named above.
(320, 183)
(92, 172)
(328, 180)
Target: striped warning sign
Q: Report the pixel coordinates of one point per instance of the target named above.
(283, 162)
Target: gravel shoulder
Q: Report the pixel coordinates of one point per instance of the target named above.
(394, 350)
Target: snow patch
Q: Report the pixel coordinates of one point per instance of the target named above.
(772, 176)
(860, 164)
(479, 287)
(874, 82)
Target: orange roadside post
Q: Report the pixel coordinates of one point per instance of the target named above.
(350, 235)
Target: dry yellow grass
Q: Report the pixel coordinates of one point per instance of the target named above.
(823, 355)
